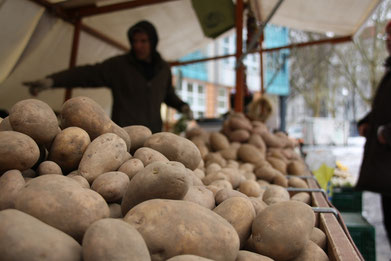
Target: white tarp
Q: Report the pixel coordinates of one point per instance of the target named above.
(341, 17)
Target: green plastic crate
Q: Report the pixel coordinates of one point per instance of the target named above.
(362, 233)
(347, 199)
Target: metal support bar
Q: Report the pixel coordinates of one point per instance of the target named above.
(239, 51)
(307, 190)
(302, 177)
(258, 33)
(326, 210)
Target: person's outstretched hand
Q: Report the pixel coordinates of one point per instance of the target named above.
(38, 86)
(186, 111)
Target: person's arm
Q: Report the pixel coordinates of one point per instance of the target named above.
(97, 75)
(174, 101)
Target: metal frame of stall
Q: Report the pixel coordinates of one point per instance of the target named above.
(340, 244)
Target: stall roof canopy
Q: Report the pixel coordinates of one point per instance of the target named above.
(180, 33)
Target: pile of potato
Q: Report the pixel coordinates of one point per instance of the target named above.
(87, 189)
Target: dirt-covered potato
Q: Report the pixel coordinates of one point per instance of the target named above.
(183, 228)
(271, 140)
(250, 188)
(222, 184)
(297, 182)
(257, 141)
(214, 176)
(131, 167)
(229, 153)
(111, 185)
(148, 155)
(251, 256)
(278, 164)
(297, 168)
(157, 180)
(17, 151)
(105, 153)
(311, 252)
(266, 173)
(5, 124)
(85, 113)
(188, 258)
(113, 239)
(81, 180)
(303, 197)
(115, 210)
(200, 195)
(214, 157)
(240, 213)
(274, 194)
(199, 173)
(24, 237)
(249, 153)
(36, 119)
(280, 180)
(62, 203)
(11, 182)
(225, 194)
(239, 123)
(239, 136)
(49, 167)
(213, 167)
(175, 148)
(319, 237)
(218, 141)
(68, 148)
(137, 134)
(258, 204)
(276, 228)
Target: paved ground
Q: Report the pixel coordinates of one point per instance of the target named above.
(351, 156)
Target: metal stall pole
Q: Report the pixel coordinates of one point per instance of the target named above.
(75, 48)
(239, 51)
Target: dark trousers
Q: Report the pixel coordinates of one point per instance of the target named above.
(386, 205)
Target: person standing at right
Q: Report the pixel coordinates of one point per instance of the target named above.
(375, 172)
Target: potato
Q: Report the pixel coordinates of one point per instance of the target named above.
(257, 141)
(11, 182)
(275, 194)
(274, 230)
(249, 153)
(113, 239)
(175, 148)
(303, 197)
(157, 180)
(280, 180)
(234, 176)
(215, 176)
(195, 180)
(249, 175)
(199, 173)
(81, 180)
(214, 157)
(296, 182)
(24, 237)
(266, 173)
(318, 237)
(74, 173)
(17, 151)
(105, 153)
(214, 189)
(240, 213)
(5, 124)
(131, 167)
(35, 119)
(183, 228)
(239, 136)
(137, 134)
(29, 173)
(311, 252)
(250, 256)
(239, 123)
(148, 155)
(272, 140)
(226, 193)
(188, 258)
(49, 167)
(85, 113)
(115, 210)
(62, 203)
(68, 148)
(218, 141)
(258, 204)
(111, 185)
(222, 184)
(213, 167)
(229, 153)
(278, 164)
(200, 195)
(250, 188)
(247, 167)
(297, 168)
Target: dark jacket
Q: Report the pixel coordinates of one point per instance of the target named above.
(375, 172)
(138, 88)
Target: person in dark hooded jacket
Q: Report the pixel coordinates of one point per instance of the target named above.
(140, 81)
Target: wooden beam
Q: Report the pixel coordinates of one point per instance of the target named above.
(90, 11)
(103, 37)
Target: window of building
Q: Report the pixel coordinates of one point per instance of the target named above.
(190, 87)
